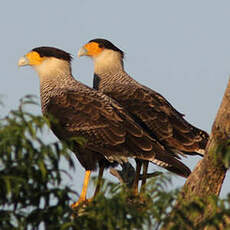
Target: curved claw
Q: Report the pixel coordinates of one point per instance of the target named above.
(81, 202)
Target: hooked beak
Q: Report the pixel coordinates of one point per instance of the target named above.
(23, 61)
(82, 52)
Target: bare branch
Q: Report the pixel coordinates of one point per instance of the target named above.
(208, 176)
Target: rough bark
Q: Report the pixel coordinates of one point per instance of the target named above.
(208, 176)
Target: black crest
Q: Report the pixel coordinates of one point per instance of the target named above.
(45, 51)
(103, 43)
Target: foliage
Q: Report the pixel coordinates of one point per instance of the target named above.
(120, 210)
(223, 150)
(32, 194)
(151, 210)
(216, 210)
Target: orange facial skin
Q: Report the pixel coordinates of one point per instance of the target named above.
(93, 49)
(34, 58)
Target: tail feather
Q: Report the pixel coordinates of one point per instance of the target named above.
(171, 164)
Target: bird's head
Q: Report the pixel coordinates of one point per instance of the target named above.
(103, 52)
(46, 59)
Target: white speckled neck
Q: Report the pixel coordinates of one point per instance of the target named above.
(52, 68)
(107, 61)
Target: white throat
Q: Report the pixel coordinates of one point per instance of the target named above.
(107, 61)
(52, 68)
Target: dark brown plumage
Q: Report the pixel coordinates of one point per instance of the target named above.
(149, 109)
(110, 133)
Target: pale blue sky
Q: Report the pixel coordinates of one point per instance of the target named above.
(179, 48)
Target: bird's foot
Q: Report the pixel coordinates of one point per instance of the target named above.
(81, 202)
(79, 207)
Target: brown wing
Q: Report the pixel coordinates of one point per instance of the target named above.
(108, 129)
(92, 117)
(155, 114)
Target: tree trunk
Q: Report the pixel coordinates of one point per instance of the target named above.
(208, 176)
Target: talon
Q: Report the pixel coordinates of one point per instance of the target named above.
(81, 202)
(76, 204)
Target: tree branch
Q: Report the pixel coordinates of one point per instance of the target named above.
(208, 176)
(127, 174)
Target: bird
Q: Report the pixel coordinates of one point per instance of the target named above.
(110, 134)
(148, 108)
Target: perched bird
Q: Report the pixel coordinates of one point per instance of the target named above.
(111, 135)
(147, 107)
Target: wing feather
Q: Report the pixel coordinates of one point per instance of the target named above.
(108, 129)
(156, 115)
(105, 125)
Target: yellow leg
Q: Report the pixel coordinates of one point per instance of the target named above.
(82, 197)
(144, 177)
(101, 170)
(136, 180)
